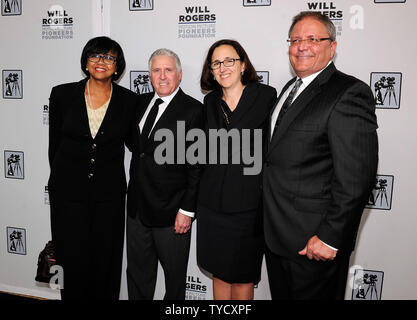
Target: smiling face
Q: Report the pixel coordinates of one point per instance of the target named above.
(227, 77)
(101, 71)
(164, 75)
(308, 59)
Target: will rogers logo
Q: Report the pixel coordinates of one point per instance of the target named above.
(58, 24)
(197, 22)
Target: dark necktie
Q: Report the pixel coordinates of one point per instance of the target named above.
(288, 101)
(150, 119)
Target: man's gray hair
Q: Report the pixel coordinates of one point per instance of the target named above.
(165, 52)
(331, 29)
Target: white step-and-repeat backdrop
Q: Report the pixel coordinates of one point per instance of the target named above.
(41, 43)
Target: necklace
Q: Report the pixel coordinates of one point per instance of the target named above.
(226, 117)
(88, 93)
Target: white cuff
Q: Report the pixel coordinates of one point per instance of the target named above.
(329, 246)
(187, 213)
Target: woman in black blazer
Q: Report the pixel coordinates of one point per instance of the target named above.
(229, 213)
(89, 124)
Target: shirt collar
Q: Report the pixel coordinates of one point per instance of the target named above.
(309, 79)
(166, 99)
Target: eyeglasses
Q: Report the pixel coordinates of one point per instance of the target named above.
(309, 41)
(229, 62)
(107, 59)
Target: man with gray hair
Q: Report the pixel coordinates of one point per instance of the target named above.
(161, 199)
(320, 167)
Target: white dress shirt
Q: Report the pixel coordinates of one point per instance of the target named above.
(162, 107)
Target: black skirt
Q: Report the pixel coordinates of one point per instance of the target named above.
(230, 245)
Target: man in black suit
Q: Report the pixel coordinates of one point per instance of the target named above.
(319, 168)
(161, 198)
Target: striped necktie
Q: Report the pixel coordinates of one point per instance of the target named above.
(288, 101)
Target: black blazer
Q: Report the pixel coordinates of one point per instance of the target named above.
(83, 167)
(224, 187)
(156, 192)
(321, 165)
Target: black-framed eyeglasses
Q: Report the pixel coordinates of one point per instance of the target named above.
(229, 62)
(310, 41)
(107, 59)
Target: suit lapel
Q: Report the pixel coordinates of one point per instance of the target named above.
(144, 103)
(299, 104)
(295, 109)
(111, 109)
(82, 107)
(215, 117)
(169, 113)
(289, 83)
(246, 102)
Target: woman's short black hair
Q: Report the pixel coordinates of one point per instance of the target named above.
(207, 83)
(103, 45)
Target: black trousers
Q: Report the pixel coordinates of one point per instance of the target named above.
(88, 237)
(145, 247)
(304, 279)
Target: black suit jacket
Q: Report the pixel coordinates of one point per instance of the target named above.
(224, 187)
(83, 167)
(321, 165)
(156, 192)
